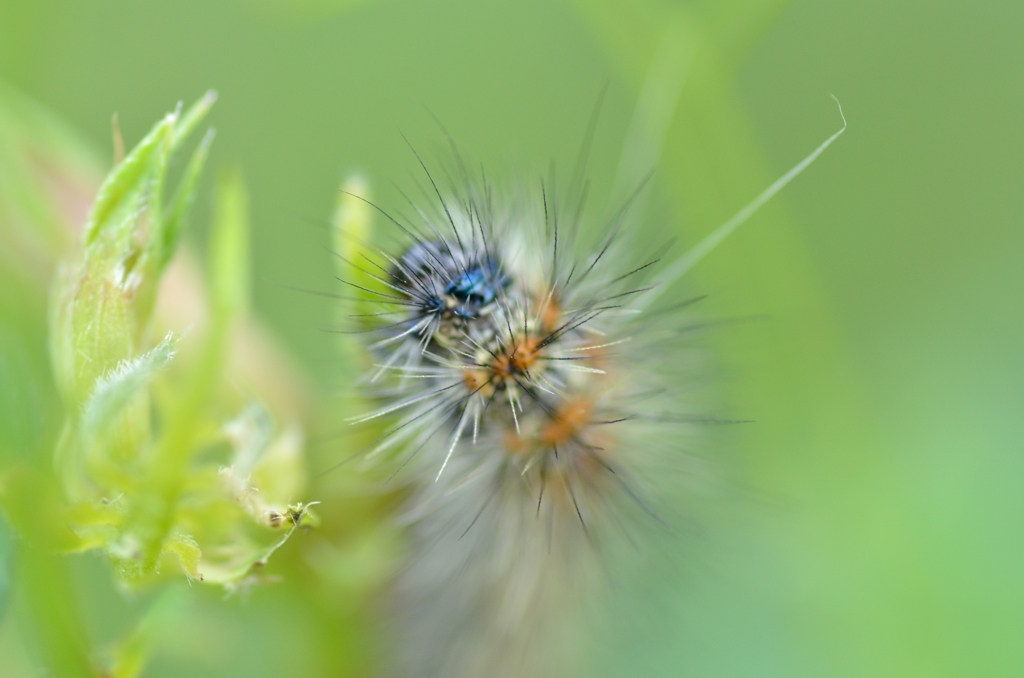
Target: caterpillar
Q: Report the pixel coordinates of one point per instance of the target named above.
(534, 389)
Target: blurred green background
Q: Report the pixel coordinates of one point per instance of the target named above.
(874, 519)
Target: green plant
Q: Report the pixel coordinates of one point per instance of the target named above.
(160, 463)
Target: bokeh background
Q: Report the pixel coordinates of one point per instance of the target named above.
(873, 521)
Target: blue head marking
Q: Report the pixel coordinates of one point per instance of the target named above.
(476, 287)
(465, 289)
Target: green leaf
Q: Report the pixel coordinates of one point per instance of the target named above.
(352, 233)
(191, 119)
(266, 472)
(104, 298)
(150, 155)
(151, 524)
(280, 472)
(358, 267)
(247, 568)
(125, 178)
(160, 229)
(186, 550)
(183, 201)
(249, 433)
(228, 264)
(91, 330)
(115, 389)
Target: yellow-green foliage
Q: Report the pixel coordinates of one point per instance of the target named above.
(158, 464)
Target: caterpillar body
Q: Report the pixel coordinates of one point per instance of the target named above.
(537, 385)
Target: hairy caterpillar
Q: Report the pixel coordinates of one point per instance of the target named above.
(533, 390)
